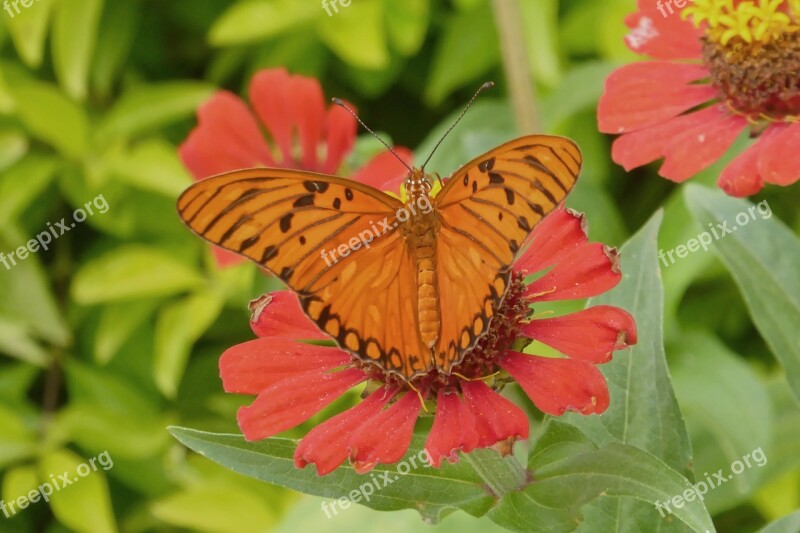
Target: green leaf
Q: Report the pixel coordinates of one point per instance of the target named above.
(18, 342)
(540, 23)
(153, 165)
(23, 183)
(727, 410)
(84, 505)
(149, 107)
(118, 26)
(118, 322)
(132, 272)
(74, 36)
(584, 84)
(17, 441)
(615, 470)
(28, 31)
(178, 327)
(432, 492)
(787, 524)
(255, 20)
(47, 113)
(357, 35)
(457, 60)
(762, 256)
(407, 23)
(13, 146)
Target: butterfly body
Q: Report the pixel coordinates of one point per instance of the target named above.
(410, 287)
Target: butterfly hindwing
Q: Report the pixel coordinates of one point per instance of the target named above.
(487, 209)
(332, 241)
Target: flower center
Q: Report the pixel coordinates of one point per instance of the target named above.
(753, 53)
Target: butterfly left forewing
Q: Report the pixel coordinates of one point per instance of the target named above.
(487, 209)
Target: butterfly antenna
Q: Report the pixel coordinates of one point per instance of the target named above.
(343, 105)
(487, 85)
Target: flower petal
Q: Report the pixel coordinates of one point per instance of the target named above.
(446, 437)
(252, 366)
(278, 314)
(384, 171)
(328, 444)
(587, 271)
(644, 146)
(662, 34)
(308, 105)
(690, 151)
(561, 232)
(639, 95)
(224, 258)
(294, 400)
(340, 134)
(270, 95)
(496, 418)
(591, 334)
(558, 385)
(779, 162)
(385, 437)
(226, 138)
(742, 176)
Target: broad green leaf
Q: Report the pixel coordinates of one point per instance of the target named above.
(433, 492)
(132, 272)
(13, 146)
(728, 413)
(407, 24)
(118, 26)
(178, 327)
(18, 342)
(15, 380)
(149, 107)
(460, 60)
(615, 470)
(787, 524)
(643, 411)
(23, 183)
(153, 165)
(17, 441)
(74, 35)
(18, 482)
(539, 25)
(255, 20)
(357, 34)
(763, 256)
(214, 510)
(47, 113)
(584, 84)
(28, 30)
(117, 323)
(85, 504)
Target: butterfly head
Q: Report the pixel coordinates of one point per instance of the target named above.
(418, 183)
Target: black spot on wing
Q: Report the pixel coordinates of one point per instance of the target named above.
(337, 203)
(496, 178)
(270, 252)
(488, 164)
(315, 186)
(304, 201)
(509, 196)
(286, 222)
(348, 194)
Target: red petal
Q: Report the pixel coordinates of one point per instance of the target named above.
(591, 335)
(446, 436)
(779, 162)
(690, 151)
(662, 35)
(561, 232)
(644, 146)
(340, 133)
(558, 385)
(308, 104)
(270, 95)
(226, 138)
(384, 171)
(385, 437)
(645, 94)
(587, 271)
(742, 177)
(224, 258)
(278, 314)
(294, 400)
(328, 444)
(252, 366)
(496, 418)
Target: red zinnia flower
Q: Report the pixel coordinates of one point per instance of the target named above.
(295, 380)
(720, 67)
(303, 135)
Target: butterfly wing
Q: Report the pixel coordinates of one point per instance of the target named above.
(332, 241)
(487, 209)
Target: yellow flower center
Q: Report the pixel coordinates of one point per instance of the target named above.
(762, 21)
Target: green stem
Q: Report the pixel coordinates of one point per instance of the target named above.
(515, 63)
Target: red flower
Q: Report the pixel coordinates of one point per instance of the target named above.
(303, 135)
(295, 380)
(719, 69)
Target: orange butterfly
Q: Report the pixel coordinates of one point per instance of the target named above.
(410, 287)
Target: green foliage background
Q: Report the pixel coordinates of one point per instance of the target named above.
(113, 334)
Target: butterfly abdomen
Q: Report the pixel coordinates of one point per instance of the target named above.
(421, 233)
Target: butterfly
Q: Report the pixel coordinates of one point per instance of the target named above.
(410, 287)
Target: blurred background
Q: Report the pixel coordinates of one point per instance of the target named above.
(114, 332)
